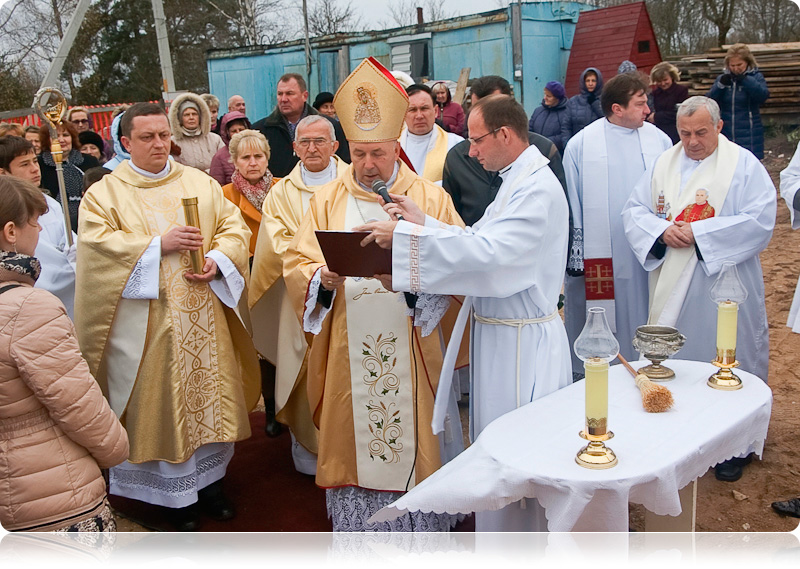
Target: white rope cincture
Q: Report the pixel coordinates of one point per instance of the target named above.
(517, 323)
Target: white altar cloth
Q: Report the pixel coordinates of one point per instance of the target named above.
(530, 452)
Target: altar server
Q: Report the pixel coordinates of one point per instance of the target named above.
(790, 184)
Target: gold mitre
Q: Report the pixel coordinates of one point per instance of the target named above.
(371, 104)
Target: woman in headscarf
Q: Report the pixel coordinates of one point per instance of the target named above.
(449, 112)
(190, 122)
(56, 428)
(73, 163)
(222, 167)
(584, 108)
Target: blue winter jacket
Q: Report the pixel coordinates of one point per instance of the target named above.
(552, 122)
(739, 98)
(584, 108)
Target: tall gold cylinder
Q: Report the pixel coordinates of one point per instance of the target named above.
(192, 216)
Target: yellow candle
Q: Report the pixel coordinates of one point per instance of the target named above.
(726, 325)
(596, 395)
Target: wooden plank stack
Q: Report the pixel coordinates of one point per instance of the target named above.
(779, 62)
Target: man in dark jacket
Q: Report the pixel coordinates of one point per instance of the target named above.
(473, 188)
(280, 125)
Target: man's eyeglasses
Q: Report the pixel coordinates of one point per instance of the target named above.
(306, 142)
(80, 121)
(477, 140)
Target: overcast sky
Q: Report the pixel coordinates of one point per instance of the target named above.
(374, 11)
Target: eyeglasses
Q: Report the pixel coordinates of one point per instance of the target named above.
(477, 140)
(306, 142)
(80, 121)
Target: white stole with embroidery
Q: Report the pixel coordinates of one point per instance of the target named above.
(670, 282)
(595, 220)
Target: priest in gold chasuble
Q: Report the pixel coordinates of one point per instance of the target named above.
(372, 374)
(277, 334)
(166, 344)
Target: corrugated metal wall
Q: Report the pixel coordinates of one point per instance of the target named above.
(547, 30)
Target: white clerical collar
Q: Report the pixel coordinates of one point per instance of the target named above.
(388, 184)
(419, 138)
(504, 172)
(620, 129)
(147, 174)
(311, 179)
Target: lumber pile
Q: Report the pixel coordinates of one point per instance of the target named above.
(779, 63)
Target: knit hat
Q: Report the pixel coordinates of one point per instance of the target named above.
(626, 67)
(91, 137)
(322, 98)
(187, 104)
(557, 89)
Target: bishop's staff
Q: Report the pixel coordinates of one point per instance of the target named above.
(51, 106)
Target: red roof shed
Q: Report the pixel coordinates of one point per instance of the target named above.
(605, 38)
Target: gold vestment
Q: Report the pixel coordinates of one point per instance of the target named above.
(330, 378)
(198, 375)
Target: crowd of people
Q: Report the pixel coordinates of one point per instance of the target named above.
(122, 352)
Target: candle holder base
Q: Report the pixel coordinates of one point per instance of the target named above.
(596, 455)
(724, 379)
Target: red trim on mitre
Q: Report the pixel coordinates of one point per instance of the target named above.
(379, 66)
(599, 279)
(404, 157)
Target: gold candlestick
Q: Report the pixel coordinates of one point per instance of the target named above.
(728, 292)
(192, 216)
(596, 346)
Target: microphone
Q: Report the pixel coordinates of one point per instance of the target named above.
(379, 187)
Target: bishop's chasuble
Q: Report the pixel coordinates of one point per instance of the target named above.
(277, 333)
(197, 373)
(361, 375)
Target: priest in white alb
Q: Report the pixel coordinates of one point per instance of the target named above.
(164, 342)
(602, 164)
(511, 266)
(684, 257)
(790, 192)
(425, 143)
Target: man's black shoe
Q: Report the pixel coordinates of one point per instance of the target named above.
(788, 508)
(184, 519)
(215, 504)
(731, 470)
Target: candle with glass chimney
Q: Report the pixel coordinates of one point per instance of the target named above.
(596, 346)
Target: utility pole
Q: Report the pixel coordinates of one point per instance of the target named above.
(66, 43)
(167, 78)
(308, 43)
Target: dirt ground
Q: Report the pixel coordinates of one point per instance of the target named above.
(777, 475)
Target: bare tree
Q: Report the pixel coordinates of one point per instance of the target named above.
(258, 21)
(766, 21)
(404, 12)
(330, 17)
(720, 13)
